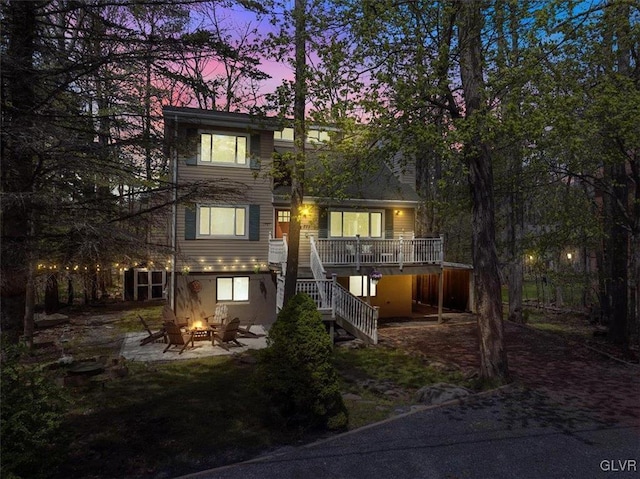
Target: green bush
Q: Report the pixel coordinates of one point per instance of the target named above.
(296, 371)
(31, 413)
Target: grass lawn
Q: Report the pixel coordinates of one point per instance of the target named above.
(173, 418)
(183, 416)
(569, 325)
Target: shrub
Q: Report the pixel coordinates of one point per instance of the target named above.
(296, 372)
(31, 413)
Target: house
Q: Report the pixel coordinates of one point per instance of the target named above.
(359, 257)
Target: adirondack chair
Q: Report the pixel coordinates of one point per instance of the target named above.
(169, 315)
(152, 337)
(178, 338)
(245, 331)
(220, 316)
(227, 334)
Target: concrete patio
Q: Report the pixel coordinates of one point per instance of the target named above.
(131, 349)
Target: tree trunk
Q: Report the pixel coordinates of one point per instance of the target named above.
(300, 133)
(634, 260)
(618, 243)
(493, 357)
(70, 293)
(29, 309)
(51, 295)
(17, 161)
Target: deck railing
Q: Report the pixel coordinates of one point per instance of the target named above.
(352, 313)
(360, 315)
(357, 251)
(278, 250)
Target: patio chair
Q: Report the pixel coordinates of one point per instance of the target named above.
(169, 315)
(178, 338)
(245, 331)
(227, 334)
(220, 315)
(152, 337)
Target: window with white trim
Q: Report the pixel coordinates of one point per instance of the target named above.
(223, 149)
(367, 224)
(222, 221)
(232, 289)
(358, 286)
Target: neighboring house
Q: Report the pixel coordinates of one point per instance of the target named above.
(359, 258)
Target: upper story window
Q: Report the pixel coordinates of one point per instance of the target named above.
(367, 224)
(313, 136)
(317, 136)
(286, 134)
(222, 221)
(223, 149)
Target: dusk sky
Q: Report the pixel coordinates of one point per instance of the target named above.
(238, 19)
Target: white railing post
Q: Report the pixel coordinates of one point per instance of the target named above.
(357, 252)
(374, 333)
(334, 281)
(285, 252)
(401, 253)
(441, 248)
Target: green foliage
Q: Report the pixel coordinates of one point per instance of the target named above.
(296, 372)
(31, 413)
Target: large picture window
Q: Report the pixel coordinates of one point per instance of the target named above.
(367, 224)
(222, 221)
(358, 286)
(223, 149)
(232, 289)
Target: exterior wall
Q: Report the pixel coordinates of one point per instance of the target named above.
(404, 169)
(260, 309)
(228, 255)
(393, 295)
(456, 289)
(403, 224)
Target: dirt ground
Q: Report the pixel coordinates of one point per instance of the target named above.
(564, 369)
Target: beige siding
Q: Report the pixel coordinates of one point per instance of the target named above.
(260, 309)
(404, 223)
(229, 254)
(393, 295)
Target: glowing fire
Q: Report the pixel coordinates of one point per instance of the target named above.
(196, 325)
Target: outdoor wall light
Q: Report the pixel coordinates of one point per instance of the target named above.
(569, 256)
(398, 212)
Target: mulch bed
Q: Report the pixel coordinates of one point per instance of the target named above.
(564, 369)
